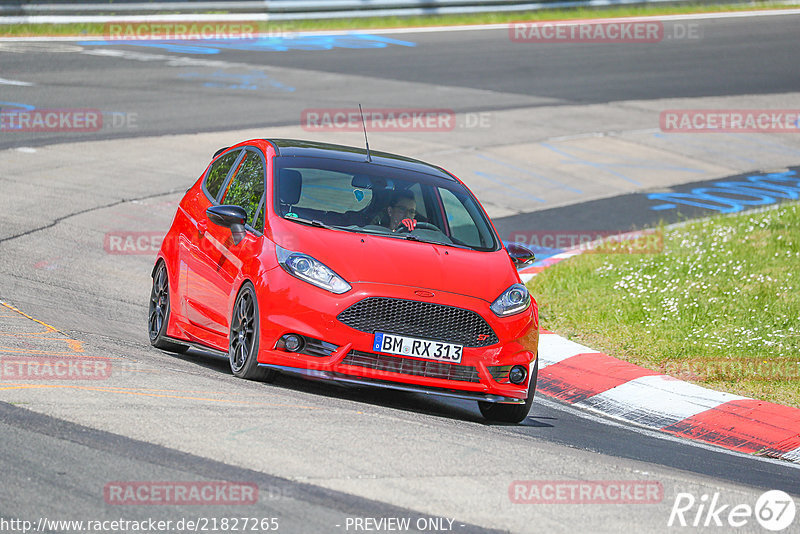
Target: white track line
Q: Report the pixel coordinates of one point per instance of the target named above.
(554, 348)
(657, 401)
(601, 418)
(4, 81)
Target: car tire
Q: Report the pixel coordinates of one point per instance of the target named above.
(511, 413)
(244, 337)
(158, 313)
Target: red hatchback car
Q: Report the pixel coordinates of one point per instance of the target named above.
(337, 263)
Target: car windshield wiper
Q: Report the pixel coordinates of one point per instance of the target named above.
(412, 237)
(407, 237)
(313, 222)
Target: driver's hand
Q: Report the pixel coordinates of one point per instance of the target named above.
(409, 223)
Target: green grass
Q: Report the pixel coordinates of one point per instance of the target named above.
(95, 29)
(719, 306)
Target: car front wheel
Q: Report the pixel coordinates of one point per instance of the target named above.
(511, 413)
(244, 337)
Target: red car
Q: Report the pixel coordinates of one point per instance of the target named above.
(337, 263)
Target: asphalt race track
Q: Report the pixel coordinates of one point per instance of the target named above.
(562, 136)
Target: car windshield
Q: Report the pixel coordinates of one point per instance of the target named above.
(376, 199)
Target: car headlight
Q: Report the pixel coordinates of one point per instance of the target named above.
(311, 270)
(513, 300)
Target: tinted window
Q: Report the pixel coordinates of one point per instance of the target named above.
(330, 190)
(461, 211)
(376, 199)
(219, 171)
(247, 188)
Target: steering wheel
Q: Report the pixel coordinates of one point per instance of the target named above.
(403, 229)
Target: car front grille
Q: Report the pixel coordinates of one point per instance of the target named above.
(408, 366)
(499, 372)
(317, 347)
(419, 319)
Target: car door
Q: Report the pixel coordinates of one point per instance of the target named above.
(192, 244)
(217, 260)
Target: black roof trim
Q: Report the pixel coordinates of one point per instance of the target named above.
(297, 147)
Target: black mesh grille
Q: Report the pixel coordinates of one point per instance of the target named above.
(419, 319)
(408, 366)
(499, 372)
(316, 347)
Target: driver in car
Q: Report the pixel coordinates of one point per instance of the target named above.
(402, 211)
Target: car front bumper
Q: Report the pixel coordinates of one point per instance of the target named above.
(344, 354)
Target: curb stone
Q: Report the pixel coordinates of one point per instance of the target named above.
(584, 377)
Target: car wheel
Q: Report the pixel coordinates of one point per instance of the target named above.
(244, 337)
(158, 316)
(511, 413)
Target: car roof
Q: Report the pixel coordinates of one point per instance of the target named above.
(300, 148)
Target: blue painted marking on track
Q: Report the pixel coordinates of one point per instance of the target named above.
(730, 197)
(13, 107)
(17, 106)
(263, 44)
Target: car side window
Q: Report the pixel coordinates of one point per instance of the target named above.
(219, 171)
(462, 225)
(246, 189)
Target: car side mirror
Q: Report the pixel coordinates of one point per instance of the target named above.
(520, 254)
(233, 217)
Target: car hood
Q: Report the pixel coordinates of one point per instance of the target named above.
(386, 260)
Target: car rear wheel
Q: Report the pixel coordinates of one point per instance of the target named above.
(244, 337)
(511, 413)
(158, 316)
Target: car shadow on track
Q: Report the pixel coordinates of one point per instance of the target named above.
(446, 408)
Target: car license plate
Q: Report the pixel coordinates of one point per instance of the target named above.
(418, 348)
